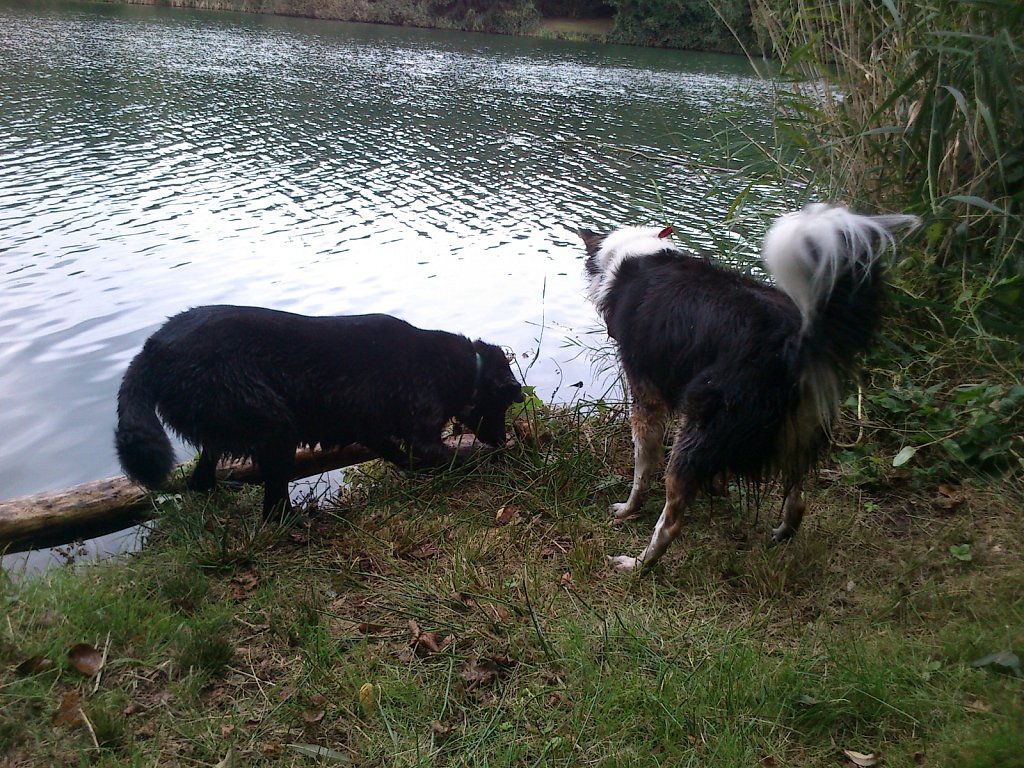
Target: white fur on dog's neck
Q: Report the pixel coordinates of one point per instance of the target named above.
(624, 243)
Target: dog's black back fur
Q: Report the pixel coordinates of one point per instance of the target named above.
(253, 382)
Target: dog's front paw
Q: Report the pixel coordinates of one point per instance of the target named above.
(623, 511)
(624, 563)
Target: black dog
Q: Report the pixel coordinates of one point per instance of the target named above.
(252, 382)
(754, 372)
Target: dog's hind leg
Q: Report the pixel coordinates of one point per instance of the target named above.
(648, 420)
(204, 474)
(792, 513)
(679, 493)
(275, 463)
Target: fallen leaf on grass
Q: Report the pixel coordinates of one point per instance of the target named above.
(34, 665)
(861, 760)
(441, 731)
(69, 710)
(422, 552)
(949, 499)
(1005, 662)
(496, 612)
(313, 716)
(312, 750)
(977, 705)
(367, 699)
(461, 602)
(506, 514)
(242, 584)
(85, 659)
(427, 641)
(480, 672)
(557, 699)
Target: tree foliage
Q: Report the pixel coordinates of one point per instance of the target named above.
(702, 25)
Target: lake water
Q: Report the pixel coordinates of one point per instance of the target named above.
(157, 159)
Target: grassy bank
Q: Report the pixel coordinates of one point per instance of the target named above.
(469, 618)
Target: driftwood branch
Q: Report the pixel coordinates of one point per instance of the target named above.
(103, 506)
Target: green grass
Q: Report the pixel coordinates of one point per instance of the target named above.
(405, 626)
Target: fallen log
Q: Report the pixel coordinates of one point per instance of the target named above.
(104, 506)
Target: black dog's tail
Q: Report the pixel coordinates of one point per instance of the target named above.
(143, 448)
(826, 259)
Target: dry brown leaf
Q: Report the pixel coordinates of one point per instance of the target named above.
(313, 716)
(506, 514)
(367, 698)
(69, 710)
(242, 584)
(422, 552)
(557, 699)
(461, 602)
(977, 705)
(85, 659)
(423, 642)
(146, 731)
(481, 672)
(498, 612)
(862, 760)
(441, 731)
(34, 665)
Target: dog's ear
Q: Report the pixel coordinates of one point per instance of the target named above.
(591, 240)
(497, 373)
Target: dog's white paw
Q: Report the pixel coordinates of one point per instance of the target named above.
(622, 511)
(624, 563)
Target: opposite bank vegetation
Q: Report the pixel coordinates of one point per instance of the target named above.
(469, 618)
(691, 24)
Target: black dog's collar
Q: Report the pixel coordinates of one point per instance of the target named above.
(477, 378)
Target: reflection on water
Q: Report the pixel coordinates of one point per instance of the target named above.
(152, 160)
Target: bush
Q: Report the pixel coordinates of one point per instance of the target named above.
(689, 24)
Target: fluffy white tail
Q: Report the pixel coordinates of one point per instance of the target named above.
(808, 251)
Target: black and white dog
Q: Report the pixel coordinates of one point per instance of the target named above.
(253, 382)
(753, 373)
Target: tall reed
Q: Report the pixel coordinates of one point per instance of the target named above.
(920, 105)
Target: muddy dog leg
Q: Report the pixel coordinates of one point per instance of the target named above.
(648, 420)
(792, 512)
(679, 493)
